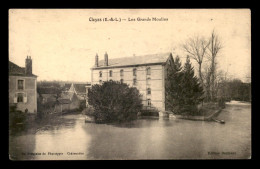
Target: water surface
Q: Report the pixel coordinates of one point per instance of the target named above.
(150, 138)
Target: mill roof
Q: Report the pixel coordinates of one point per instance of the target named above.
(135, 60)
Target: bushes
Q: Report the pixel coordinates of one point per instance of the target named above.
(150, 112)
(114, 101)
(82, 105)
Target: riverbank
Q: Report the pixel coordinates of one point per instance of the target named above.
(206, 112)
(31, 123)
(209, 117)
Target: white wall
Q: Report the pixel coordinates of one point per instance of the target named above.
(156, 82)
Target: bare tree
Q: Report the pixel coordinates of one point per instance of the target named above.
(196, 47)
(213, 50)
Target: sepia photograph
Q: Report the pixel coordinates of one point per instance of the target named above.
(129, 84)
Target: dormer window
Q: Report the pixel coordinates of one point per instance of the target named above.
(100, 74)
(148, 71)
(122, 81)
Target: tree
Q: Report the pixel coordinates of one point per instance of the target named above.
(183, 90)
(213, 50)
(196, 47)
(114, 101)
(50, 88)
(173, 86)
(192, 92)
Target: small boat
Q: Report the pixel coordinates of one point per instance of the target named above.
(89, 119)
(222, 121)
(219, 121)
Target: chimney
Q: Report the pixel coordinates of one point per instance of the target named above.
(106, 59)
(96, 61)
(28, 66)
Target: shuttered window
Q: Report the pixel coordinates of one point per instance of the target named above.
(20, 97)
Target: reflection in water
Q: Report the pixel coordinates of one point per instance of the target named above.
(150, 138)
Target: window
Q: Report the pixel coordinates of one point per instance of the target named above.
(20, 97)
(134, 72)
(100, 74)
(121, 72)
(148, 71)
(20, 84)
(148, 81)
(149, 91)
(100, 81)
(134, 82)
(110, 73)
(122, 80)
(149, 104)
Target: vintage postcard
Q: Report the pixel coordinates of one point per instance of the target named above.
(126, 84)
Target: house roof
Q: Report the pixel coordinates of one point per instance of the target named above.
(135, 60)
(67, 95)
(17, 70)
(48, 95)
(64, 101)
(67, 85)
(47, 90)
(80, 88)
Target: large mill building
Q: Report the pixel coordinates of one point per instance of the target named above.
(146, 73)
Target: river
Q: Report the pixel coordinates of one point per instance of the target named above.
(150, 138)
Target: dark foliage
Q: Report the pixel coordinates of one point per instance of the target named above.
(82, 105)
(114, 101)
(192, 91)
(183, 90)
(173, 85)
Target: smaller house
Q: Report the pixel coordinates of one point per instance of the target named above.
(46, 95)
(67, 87)
(22, 87)
(67, 102)
(79, 90)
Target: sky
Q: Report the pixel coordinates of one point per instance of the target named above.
(63, 42)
